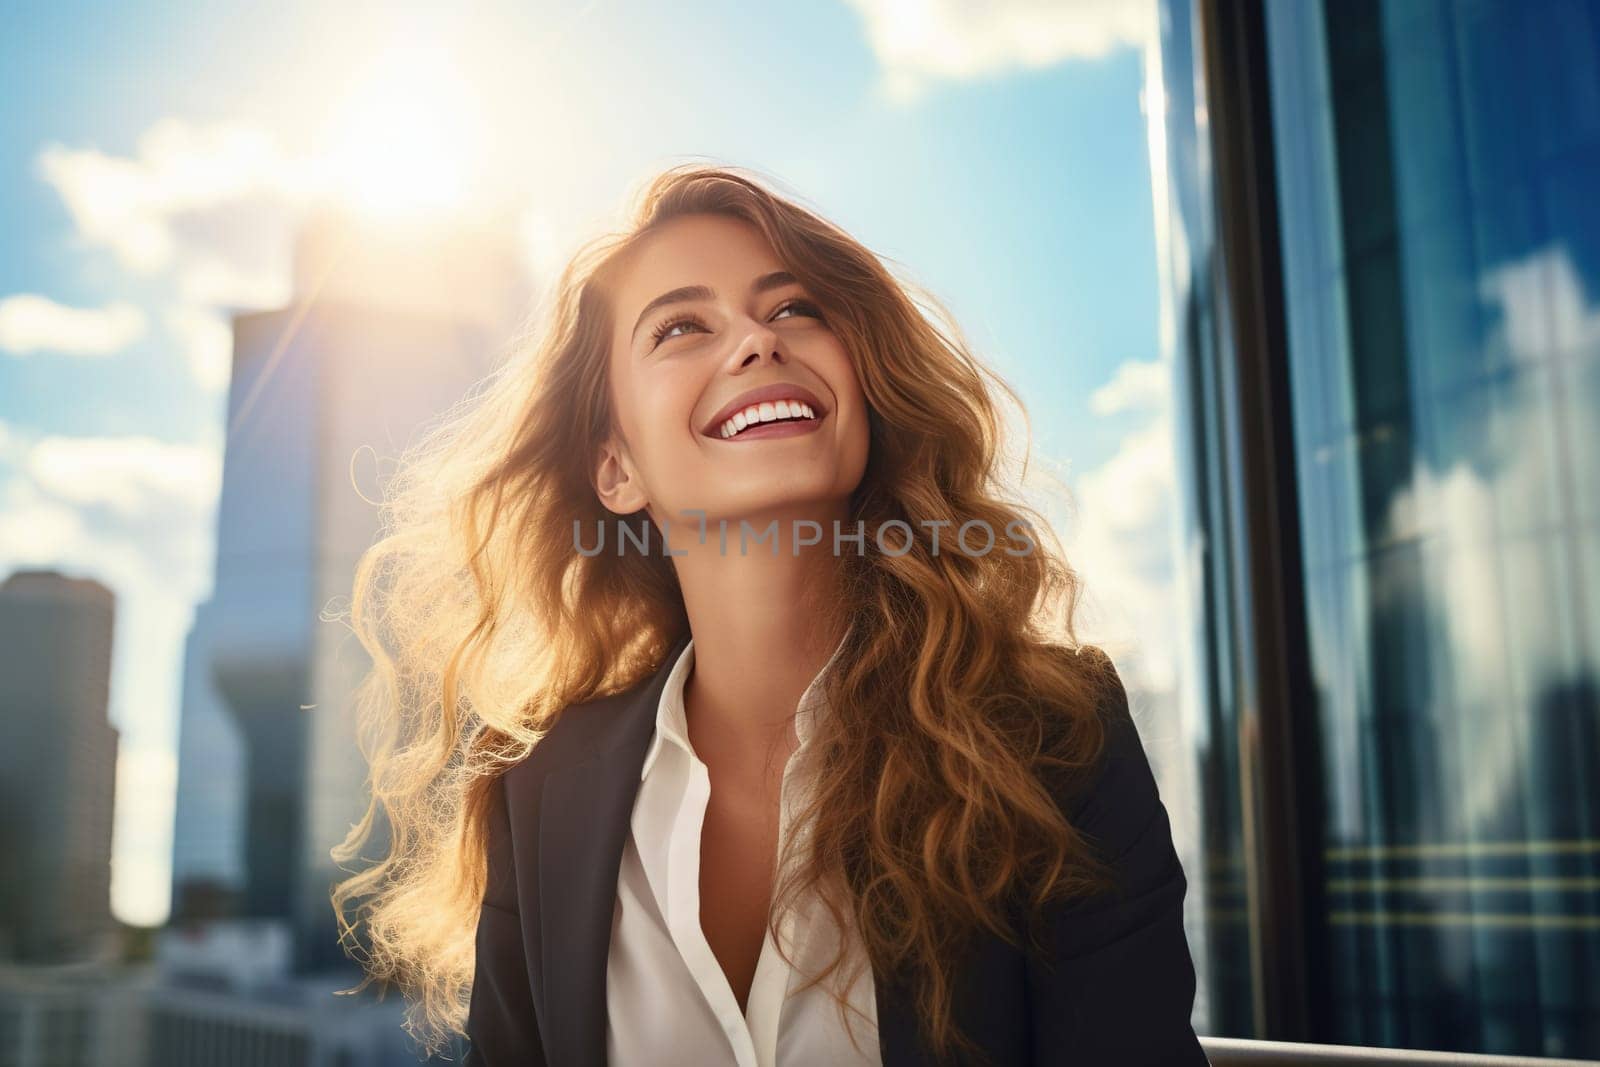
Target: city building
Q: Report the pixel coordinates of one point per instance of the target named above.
(109, 1015)
(387, 330)
(1380, 255)
(71, 1015)
(58, 757)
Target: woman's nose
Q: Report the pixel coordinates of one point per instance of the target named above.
(759, 342)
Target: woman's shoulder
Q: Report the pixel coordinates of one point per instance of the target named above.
(581, 730)
(1114, 797)
(515, 794)
(578, 731)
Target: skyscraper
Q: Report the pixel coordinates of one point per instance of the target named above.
(386, 331)
(1383, 259)
(58, 756)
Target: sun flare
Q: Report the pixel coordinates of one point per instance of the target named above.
(406, 140)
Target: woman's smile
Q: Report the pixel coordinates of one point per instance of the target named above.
(790, 428)
(778, 402)
(773, 420)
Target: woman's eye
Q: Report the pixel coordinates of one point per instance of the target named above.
(805, 307)
(664, 331)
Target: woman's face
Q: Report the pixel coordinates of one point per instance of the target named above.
(705, 315)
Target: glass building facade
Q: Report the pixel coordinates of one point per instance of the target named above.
(1382, 253)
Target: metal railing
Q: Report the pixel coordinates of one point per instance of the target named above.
(1234, 1052)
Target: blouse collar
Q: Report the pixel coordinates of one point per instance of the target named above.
(672, 721)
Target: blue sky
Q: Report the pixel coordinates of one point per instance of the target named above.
(1003, 164)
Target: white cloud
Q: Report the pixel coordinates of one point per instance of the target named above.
(1138, 386)
(137, 206)
(131, 475)
(1544, 310)
(1494, 594)
(206, 339)
(919, 42)
(1132, 488)
(134, 509)
(209, 208)
(32, 323)
(1122, 545)
(1116, 527)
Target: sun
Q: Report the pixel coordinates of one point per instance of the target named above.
(407, 138)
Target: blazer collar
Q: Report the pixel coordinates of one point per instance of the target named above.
(583, 824)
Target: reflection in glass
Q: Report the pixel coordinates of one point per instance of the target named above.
(1195, 343)
(1441, 240)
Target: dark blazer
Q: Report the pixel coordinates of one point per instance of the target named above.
(1120, 990)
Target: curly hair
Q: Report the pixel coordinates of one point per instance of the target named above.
(960, 698)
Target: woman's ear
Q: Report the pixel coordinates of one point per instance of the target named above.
(616, 482)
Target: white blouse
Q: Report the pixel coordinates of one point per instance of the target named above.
(668, 1000)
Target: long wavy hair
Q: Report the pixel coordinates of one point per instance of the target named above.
(960, 699)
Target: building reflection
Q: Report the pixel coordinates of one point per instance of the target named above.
(1419, 265)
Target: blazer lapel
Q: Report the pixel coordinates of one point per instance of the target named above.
(583, 825)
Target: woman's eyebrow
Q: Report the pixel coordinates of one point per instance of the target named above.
(775, 280)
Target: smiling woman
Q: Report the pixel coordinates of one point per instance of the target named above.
(702, 806)
(715, 358)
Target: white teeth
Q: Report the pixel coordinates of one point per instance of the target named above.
(767, 411)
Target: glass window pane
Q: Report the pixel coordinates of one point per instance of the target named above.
(1456, 644)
